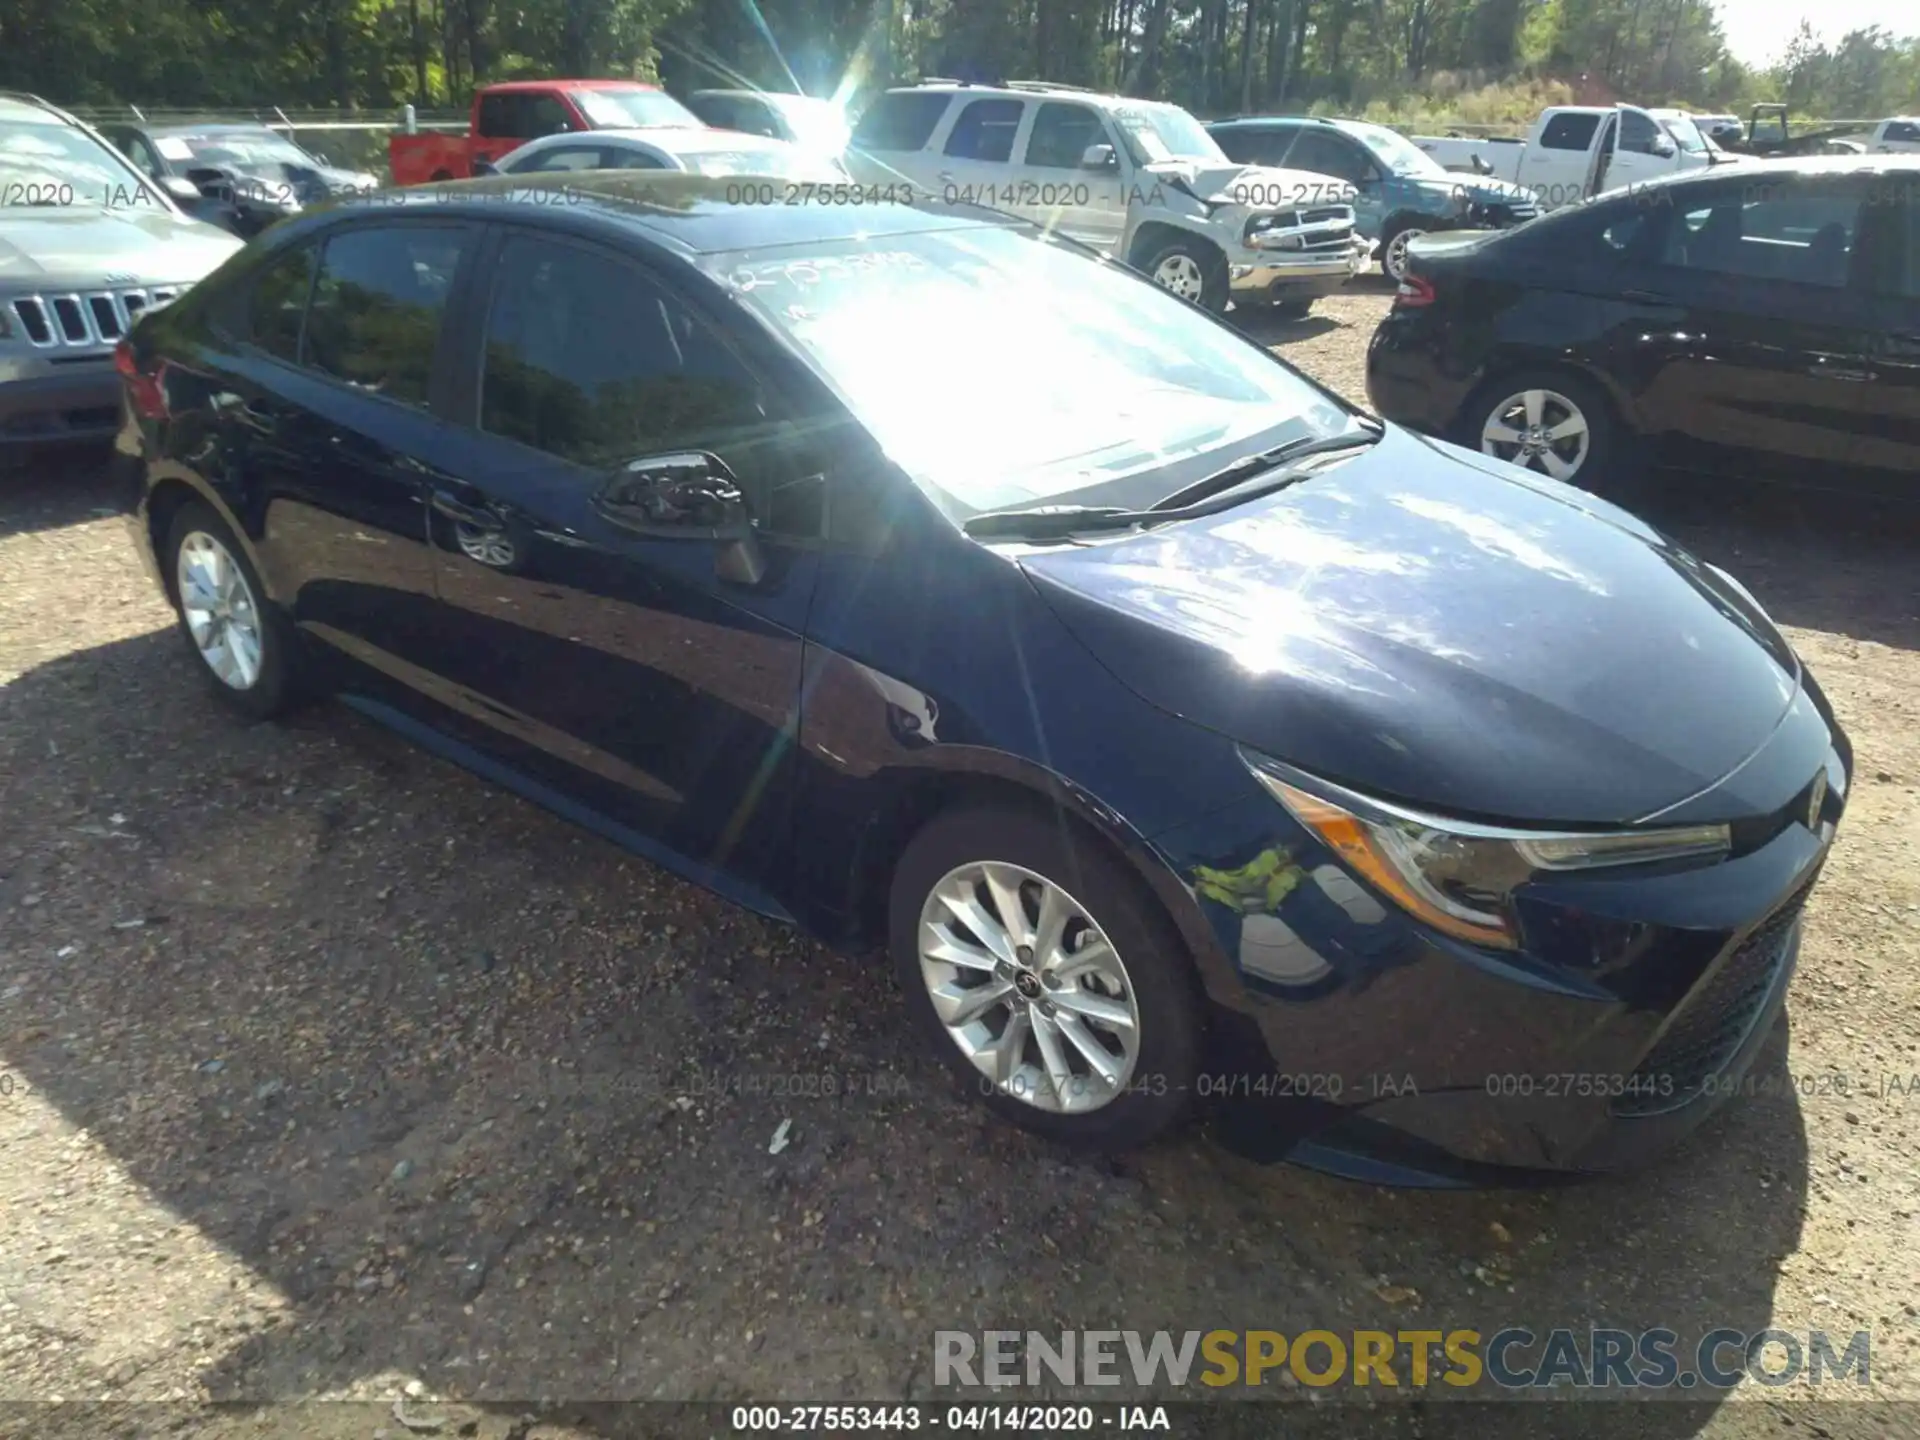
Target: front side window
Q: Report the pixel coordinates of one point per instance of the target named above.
(1324, 154)
(377, 304)
(588, 359)
(1061, 135)
(1783, 232)
(278, 303)
(1000, 370)
(1638, 134)
(985, 131)
(560, 157)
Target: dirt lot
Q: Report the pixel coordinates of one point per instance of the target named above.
(329, 1068)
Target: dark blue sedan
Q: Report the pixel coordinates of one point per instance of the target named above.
(909, 575)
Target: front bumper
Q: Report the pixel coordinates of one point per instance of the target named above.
(1277, 275)
(80, 401)
(1355, 1040)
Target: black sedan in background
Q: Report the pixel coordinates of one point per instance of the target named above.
(249, 175)
(907, 574)
(1762, 322)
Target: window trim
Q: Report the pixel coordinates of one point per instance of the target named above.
(1022, 126)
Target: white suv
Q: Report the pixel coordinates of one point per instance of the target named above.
(1135, 179)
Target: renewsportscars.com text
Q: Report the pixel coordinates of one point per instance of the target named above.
(1515, 1358)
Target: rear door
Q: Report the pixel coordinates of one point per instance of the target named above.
(332, 416)
(1757, 342)
(976, 153)
(1052, 188)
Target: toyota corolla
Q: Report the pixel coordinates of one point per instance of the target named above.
(904, 573)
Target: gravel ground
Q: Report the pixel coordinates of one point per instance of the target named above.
(330, 1069)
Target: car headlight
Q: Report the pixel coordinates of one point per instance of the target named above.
(1455, 875)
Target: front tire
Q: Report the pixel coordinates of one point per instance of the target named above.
(1193, 270)
(1393, 247)
(1042, 973)
(239, 639)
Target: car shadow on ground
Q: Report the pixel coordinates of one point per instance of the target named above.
(1820, 559)
(446, 1088)
(53, 489)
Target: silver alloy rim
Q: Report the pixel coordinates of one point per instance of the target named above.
(1397, 253)
(1181, 274)
(220, 611)
(1539, 430)
(1029, 987)
(488, 547)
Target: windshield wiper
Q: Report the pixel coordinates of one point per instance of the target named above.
(1248, 466)
(1051, 522)
(1203, 497)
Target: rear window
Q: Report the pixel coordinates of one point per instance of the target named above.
(374, 319)
(1569, 131)
(900, 120)
(985, 131)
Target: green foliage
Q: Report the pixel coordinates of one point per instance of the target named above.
(1413, 62)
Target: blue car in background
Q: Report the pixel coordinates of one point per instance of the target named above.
(1403, 192)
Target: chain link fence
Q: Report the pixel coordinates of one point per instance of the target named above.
(356, 144)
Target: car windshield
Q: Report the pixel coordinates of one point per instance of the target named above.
(235, 147)
(57, 165)
(1165, 132)
(1393, 150)
(817, 124)
(1685, 133)
(1003, 371)
(615, 109)
(784, 162)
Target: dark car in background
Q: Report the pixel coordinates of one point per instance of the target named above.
(1400, 192)
(1760, 322)
(1177, 728)
(816, 125)
(249, 174)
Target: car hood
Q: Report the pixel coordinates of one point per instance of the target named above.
(81, 245)
(1255, 187)
(1478, 190)
(1464, 637)
(308, 183)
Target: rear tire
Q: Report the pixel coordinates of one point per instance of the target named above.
(1548, 421)
(1065, 1000)
(240, 640)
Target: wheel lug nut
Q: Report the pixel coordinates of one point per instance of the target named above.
(1050, 980)
(1025, 952)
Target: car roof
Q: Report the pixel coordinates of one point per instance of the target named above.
(682, 138)
(693, 214)
(211, 127)
(509, 87)
(12, 109)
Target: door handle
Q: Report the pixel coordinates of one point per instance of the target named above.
(454, 508)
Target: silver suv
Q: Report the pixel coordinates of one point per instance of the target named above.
(87, 244)
(1135, 179)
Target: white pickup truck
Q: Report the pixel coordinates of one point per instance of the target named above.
(1574, 152)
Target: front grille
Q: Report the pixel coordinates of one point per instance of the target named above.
(86, 318)
(1715, 1019)
(1338, 238)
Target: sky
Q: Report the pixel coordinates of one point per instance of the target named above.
(1757, 31)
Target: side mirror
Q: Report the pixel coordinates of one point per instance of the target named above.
(687, 495)
(320, 158)
(1664, 148)
(561, 127)
(1482, 167)
(179, 188)
(483, 166)
(1099, 157)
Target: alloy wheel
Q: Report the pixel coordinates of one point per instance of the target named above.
(1182, 275)
(486, 547)
(221, 612)
(1395, 261)
(1538, 430)
(1029, 987)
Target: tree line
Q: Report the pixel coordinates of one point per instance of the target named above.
(1492, 61)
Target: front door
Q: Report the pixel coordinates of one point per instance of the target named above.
(1887, 441)
(1055, 190)
(633, 673)
(1765, 364)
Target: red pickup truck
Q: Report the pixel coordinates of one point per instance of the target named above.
(507, 115)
